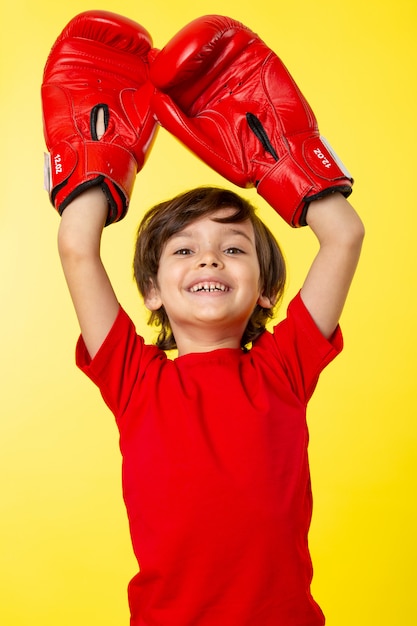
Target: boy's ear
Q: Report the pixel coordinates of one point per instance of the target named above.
(266, 302)
(152, 299)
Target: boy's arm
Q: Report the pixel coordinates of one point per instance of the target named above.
(225, 94)
(340, 233)
(79, 240)
(98, 129)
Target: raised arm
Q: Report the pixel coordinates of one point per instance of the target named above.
(98, 129)
(79, 240)
(340, 233)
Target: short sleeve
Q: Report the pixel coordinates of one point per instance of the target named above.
(301, 350)
(119, 364)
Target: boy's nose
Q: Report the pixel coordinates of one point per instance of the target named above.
(213, 264)
(210, 258)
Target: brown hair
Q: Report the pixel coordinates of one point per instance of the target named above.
(167, 218)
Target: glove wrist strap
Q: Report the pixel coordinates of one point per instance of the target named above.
(74, 168)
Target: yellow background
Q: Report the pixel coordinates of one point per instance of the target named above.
(65, 555)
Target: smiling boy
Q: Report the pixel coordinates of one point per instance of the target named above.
(208, 282)
(214, 442)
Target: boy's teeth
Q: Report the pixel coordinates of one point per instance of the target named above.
(208, 287)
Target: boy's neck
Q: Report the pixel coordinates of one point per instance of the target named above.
(199, 341)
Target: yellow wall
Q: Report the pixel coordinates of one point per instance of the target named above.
(65, 555)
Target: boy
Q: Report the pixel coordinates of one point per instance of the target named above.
(214, 443)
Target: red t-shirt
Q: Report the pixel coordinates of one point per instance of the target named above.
(215, 473)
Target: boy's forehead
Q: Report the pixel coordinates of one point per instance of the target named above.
(217, 218)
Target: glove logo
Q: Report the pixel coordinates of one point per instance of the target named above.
(58, 164)
(322, 158)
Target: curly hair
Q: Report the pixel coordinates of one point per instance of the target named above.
(163, 220)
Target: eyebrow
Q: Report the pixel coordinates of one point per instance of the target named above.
(233, 231)
(236, 231)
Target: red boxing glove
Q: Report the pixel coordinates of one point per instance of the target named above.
(98, 66)
(229, 98)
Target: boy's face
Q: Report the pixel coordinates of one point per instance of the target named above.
(209, 281)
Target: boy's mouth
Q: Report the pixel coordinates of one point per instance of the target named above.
(208, 287)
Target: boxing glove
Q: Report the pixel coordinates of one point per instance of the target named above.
(98, 68)
(223, 93)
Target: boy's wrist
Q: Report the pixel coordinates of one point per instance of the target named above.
(91, 205)
(83, 221)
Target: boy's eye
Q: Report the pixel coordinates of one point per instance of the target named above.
(233, 250)
(183, 251)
